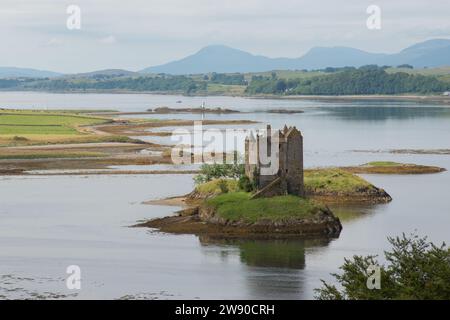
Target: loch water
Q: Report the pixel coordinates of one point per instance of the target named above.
(48, 223)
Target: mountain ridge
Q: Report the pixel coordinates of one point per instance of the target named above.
(16, 72)
(225, 59)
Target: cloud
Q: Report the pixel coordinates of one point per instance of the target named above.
(54, 42)
(108, 40)
(149, 32)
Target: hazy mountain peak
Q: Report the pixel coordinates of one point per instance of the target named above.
(15, 72)
(428, 45)
(221, 58)
(217, 48)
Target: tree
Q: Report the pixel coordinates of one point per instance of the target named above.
(209, 172)
(407, 66)
(417, 270)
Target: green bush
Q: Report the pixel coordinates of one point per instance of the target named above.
(416, 270)
(245, 184)
(209, 172)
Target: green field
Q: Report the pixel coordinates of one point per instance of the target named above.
(442, 73)
(438, 71)
(52, 155)
(286, 74)
(223, 89)
(15, 122)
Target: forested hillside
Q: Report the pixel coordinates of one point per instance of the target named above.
(330, 81)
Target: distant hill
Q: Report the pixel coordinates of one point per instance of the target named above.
(223, 59)
(13, 72)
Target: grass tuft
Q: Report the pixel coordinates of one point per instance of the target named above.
(217, 186)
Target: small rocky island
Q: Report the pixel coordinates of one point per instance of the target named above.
(167, 110)
(241, 201)
(236, 214)
(261, 203)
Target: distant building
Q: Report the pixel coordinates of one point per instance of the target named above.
(289, 177)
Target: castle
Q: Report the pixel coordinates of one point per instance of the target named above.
(288, 176)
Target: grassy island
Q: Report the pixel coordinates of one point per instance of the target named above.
(334, 181)
(390, 167)
(222, 207)
(337, 185)
(238, 206)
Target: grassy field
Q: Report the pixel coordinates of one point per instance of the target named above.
(22, 127)
(442, 73)
(44, 139)
(238, 206)
(286, 74)
(52, 155)
(222, 89)
(41, 122)
(438, 71)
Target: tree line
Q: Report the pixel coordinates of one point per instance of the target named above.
(364, 80)
(333, 81)
(158, 83)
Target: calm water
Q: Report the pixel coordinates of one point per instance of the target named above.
(49, 223)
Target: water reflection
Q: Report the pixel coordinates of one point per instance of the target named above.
(351, 212)
(272, 268)
(386, 112)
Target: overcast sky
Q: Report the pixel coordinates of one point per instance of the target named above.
(134, 34)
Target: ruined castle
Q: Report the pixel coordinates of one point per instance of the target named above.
(287, 178)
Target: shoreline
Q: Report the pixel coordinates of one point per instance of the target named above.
(437, 99)
(199, 219)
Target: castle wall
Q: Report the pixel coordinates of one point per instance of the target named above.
(294, 157)
(251, 150)
(290, 156)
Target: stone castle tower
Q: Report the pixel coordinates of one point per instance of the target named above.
(289, 177)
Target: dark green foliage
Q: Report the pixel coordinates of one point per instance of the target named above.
(365, 80)
(407, 66)
(245, 184)
(223, 186)
(160, 83)
(209, 172)
(416, 269)
(369, 79)
(9, 83)
(228, 79)
(332, 69)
